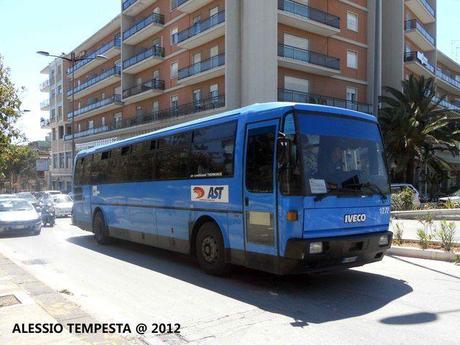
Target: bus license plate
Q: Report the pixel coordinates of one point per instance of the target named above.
(350, 259)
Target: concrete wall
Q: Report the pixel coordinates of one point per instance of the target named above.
(259, 45)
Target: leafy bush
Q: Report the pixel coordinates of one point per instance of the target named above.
(446, 235)
(450, 204)
(424, 238)
(403, 200)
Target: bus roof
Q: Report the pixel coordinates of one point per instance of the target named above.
(254, 108)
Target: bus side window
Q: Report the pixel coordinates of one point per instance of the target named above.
(86, 175)
(172, 156)
(259, 159)
(78, 172)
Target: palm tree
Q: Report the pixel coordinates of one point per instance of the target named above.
(415, 127)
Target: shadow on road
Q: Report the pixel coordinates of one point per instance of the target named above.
(306, 299)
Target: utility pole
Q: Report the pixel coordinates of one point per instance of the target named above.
(377, 57)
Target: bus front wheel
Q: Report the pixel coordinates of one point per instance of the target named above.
(210, 250)
(100, 229)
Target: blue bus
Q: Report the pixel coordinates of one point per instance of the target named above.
(279, 187)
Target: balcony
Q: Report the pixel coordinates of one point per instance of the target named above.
(98, 107)
(163, 117)
(88, 132)
(143, 91)
(45, 86)
(422, 9)
(148, 58)
(45, 105)
(201, 71)
(144, 28)
(417, 33)
(201, 32)
(446, 104)
(307, 61)
(96, 83)
(448, 83)
(418, 64)
(189, 6)
(285, 95)
(307, 18)
(109, 50)
(133, 7)
(45, 123)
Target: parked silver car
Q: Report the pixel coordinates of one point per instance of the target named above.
(19, 215)
(62, 205)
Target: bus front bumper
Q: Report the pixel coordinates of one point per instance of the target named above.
(334, 252)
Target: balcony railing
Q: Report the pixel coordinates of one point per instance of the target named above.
(182, 110)
(85, 133)
(446, 104)
(116, 70)
(420, 58)
(413, 24)
(428, 7)
(177, 3)
(45, 104)
(153, 18)
(127, 3)
(154, 84)
(199, 27)
(96, 105)
(116, 42)
(199, 67)
(286, 95)
(154, 51)
(308, 56)
(44, 122)
(45, 84)
(309, 12)
(447, 78)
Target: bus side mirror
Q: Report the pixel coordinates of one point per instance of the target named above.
(284, 151)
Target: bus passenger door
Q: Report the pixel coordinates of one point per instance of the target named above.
(260, 191)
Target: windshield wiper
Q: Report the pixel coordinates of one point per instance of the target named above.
(371, 186)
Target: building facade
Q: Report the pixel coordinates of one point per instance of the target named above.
(169, 61)
(410, 47)
(57, 107)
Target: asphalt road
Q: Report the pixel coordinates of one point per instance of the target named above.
(396, 301)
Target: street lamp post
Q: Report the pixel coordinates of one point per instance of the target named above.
(72, 59)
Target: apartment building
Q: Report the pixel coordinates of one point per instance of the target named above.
(169, 61)
(57, 106)
(410, 47)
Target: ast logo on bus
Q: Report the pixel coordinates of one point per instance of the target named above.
(355, 218)
(209, 193)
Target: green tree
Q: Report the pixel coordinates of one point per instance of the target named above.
(10, 104)
(19, 162)
(415, 127)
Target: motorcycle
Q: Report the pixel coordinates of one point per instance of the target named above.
(48, 214)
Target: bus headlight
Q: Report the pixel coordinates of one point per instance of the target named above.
(316, 247)
(383, 240)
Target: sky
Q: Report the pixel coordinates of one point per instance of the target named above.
(58, 26)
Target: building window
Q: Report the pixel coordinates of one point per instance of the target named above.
(174, 69)
(61, 160)
(214, 91)
(55, 161)
(68, 161)
(296, 84)
(103, 121)
(174, 35)
(61, 132)
(117, 120)
(174, 103)
(156, 107)
(352, 59)
(196, 99)
(352, 21)
(352, 95)
(53, 136)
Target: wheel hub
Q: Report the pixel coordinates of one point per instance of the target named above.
(209, 249)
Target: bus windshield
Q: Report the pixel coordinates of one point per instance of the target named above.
(340, 156)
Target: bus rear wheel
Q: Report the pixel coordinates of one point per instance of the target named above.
(101, 232)
(210, 250)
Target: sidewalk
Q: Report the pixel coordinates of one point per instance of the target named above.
(26, 300)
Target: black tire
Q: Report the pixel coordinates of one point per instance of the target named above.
(101, 233)
(210, 250)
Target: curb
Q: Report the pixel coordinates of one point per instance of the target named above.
(430, 254)
(437, 214)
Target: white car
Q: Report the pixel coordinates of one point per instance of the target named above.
(455, 197)
(18, 215)
(398, 187)
(62, 205)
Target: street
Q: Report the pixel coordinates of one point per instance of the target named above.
(396, 301)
